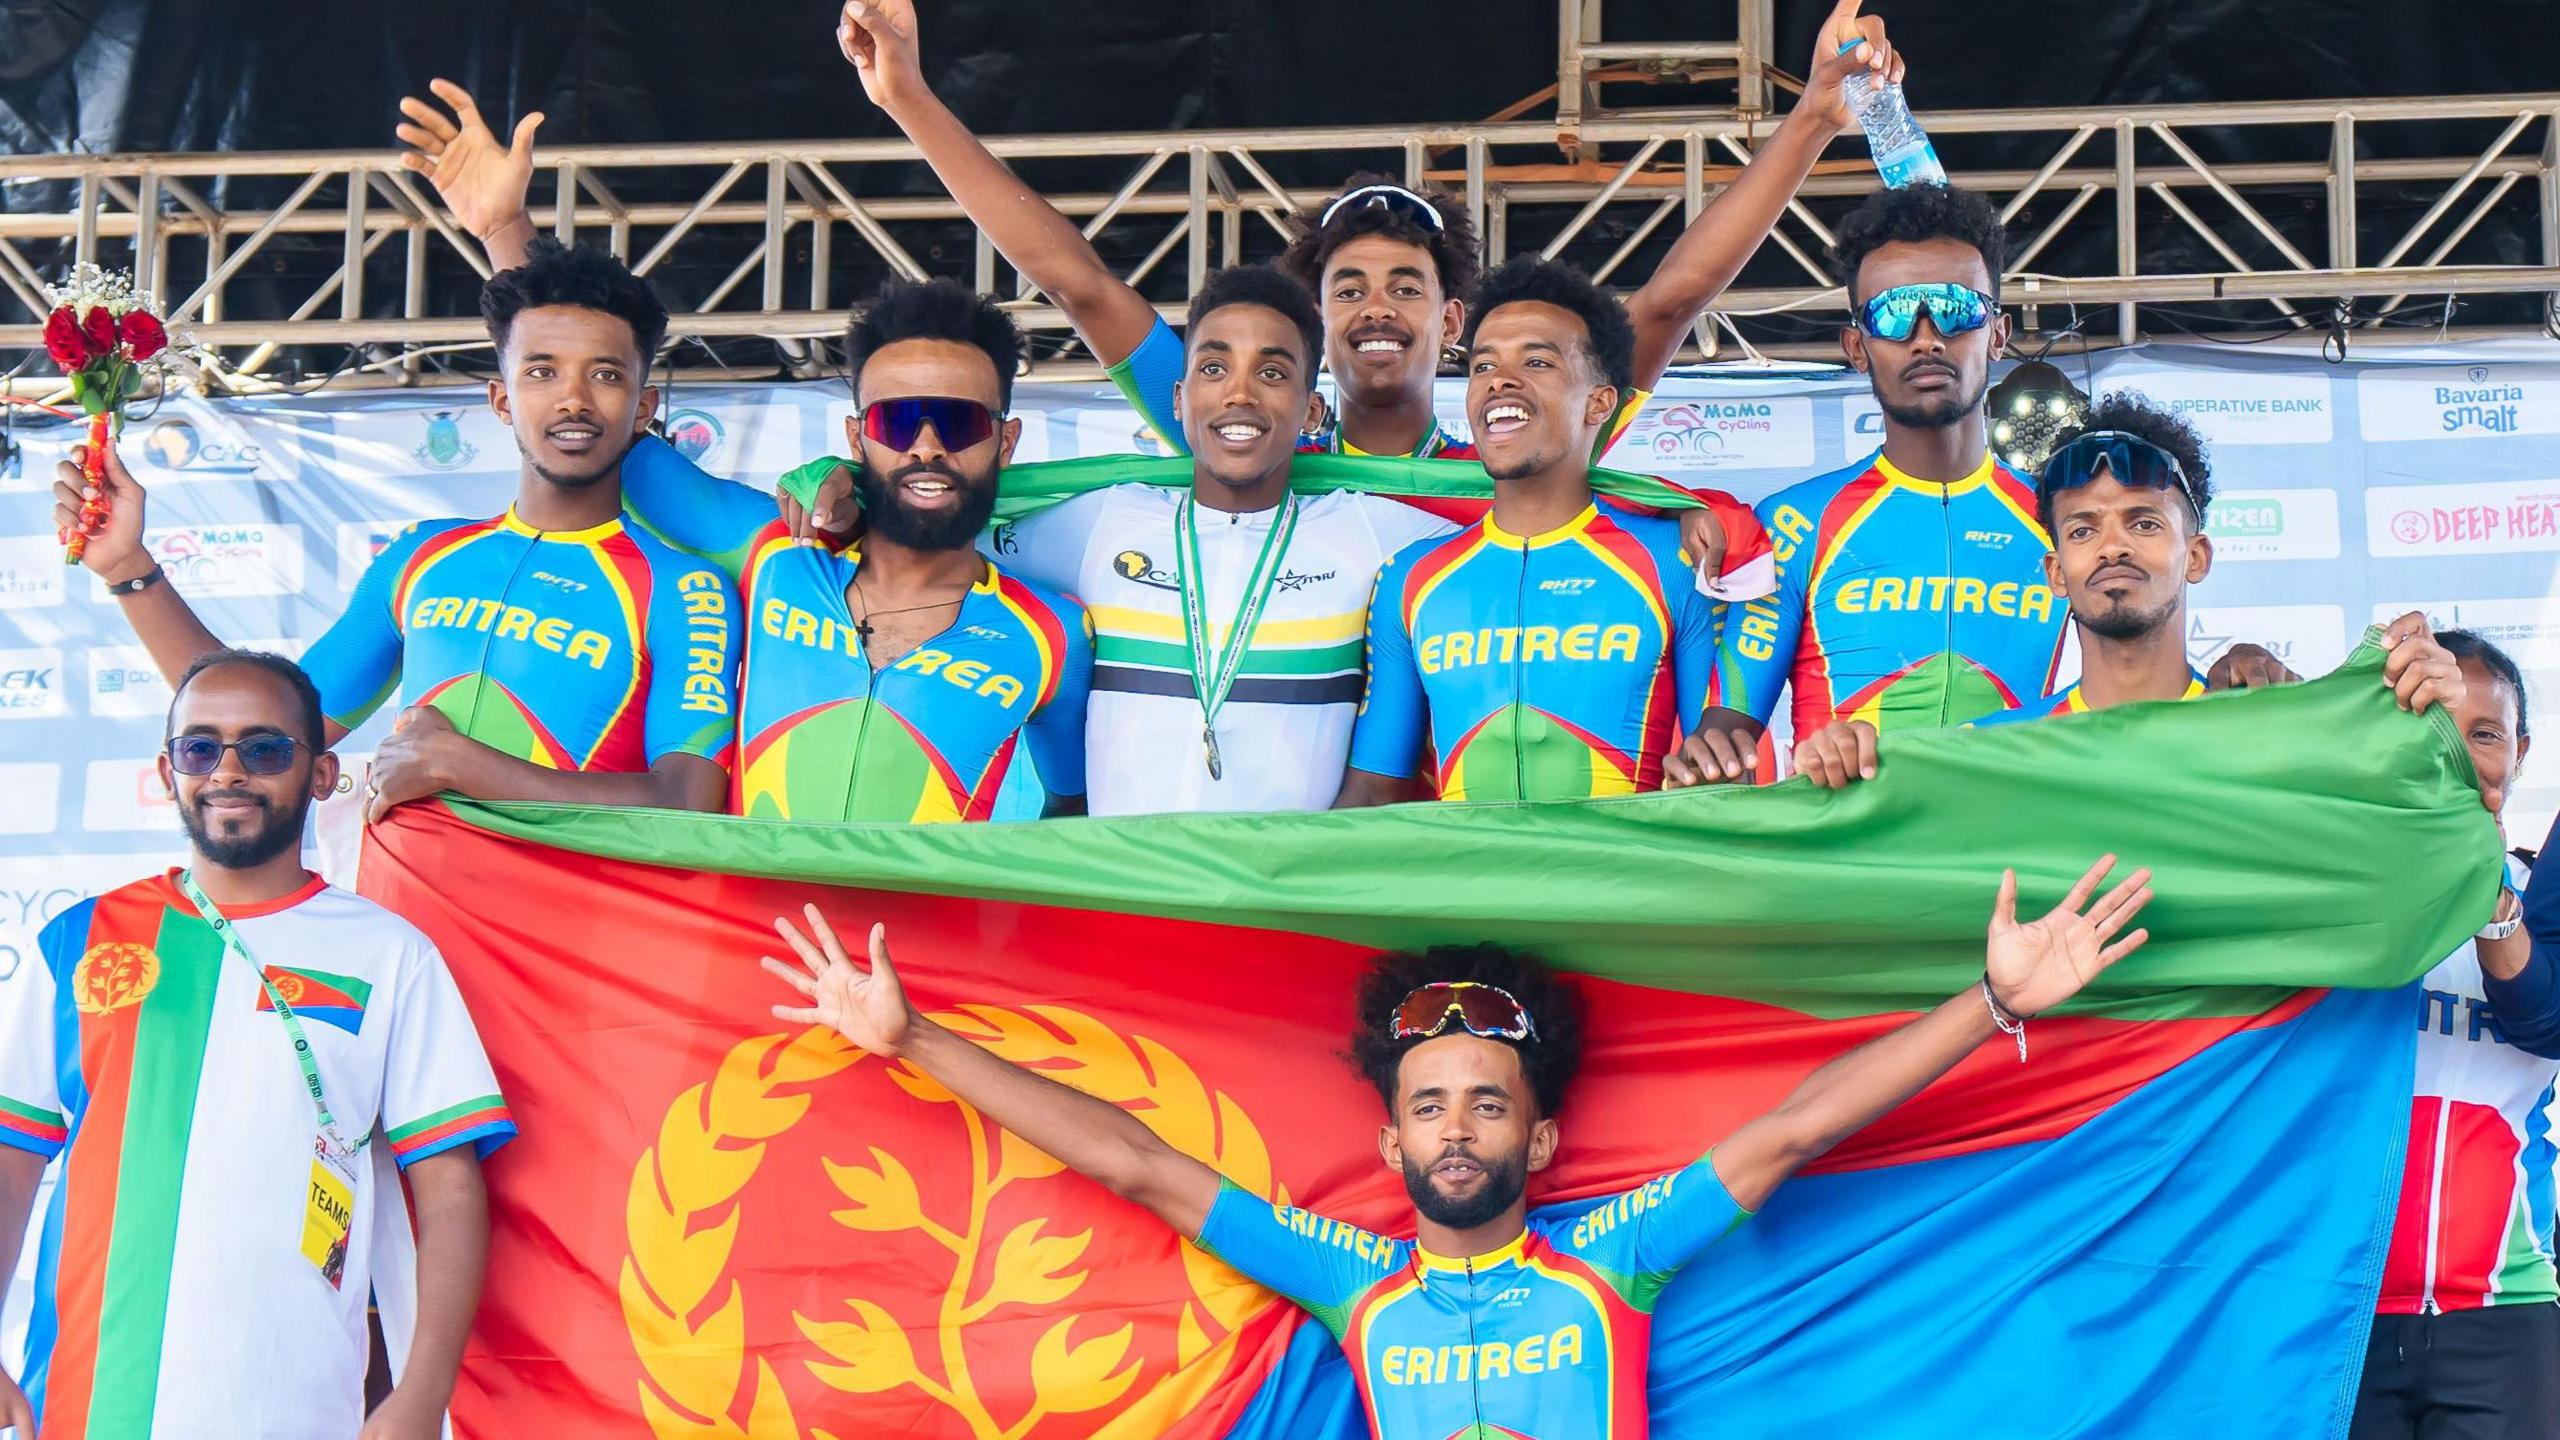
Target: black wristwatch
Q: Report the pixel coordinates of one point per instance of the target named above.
(138, 583)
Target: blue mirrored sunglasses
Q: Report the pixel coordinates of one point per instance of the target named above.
(2134, 462)
(1895, 313)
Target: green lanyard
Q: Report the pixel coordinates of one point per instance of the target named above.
(232, 946)
(1212, 676)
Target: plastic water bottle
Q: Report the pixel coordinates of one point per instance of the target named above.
(1902, 150)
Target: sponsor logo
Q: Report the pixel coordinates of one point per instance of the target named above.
(179, 444)
(2310, 639)
(1994, 539)
(2449, 402)
(1861, 426)
(34, 891)
(1753, 434)
(125, 795)
(444, 447)
(31, 685)
(2241, 409)
(1288, 580)
(124, 683)
(2492, 518)
(983, 633)
(31, 572)
(34, 792)
(1567, 585)
(561, 583)
(208, 562)
(2527, 629)
(695, 434)
(1137, 565)
(2274, 525)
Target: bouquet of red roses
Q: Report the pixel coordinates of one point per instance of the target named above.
(107, 339)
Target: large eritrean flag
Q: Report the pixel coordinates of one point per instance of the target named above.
(2170, 1222)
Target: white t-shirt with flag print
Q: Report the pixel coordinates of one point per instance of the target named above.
(172, 1296)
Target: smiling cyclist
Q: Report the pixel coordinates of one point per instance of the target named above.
(1488, 1321)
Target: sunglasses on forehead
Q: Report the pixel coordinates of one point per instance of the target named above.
(1394, 199)
(259, 754)
(896, 422)
(1955, 309)
(1485, 1010)
(2136, 464)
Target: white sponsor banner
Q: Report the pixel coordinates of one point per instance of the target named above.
(1697, 435)
(748, 440)
(2311, 639)
(126, 795)
(201, 442)
(34, 891)
(212, 562)
(35, 797)
(2239, 408)
(31, 572)
(2497, 517)
(2274, 525)
(124, 683)
(31, 685)
(459, 434)
(2528, 630)
(2458, 402)
(1861, 426)
(1109, 430)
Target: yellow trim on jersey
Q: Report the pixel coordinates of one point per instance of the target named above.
(1896, 475)
(593, 533)
(1516, 1250)
(1147, 625)
(1569, 530)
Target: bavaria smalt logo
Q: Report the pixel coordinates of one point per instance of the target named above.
(2481, 404)
(445, 448)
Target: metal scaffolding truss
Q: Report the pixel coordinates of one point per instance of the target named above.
(2288, 237)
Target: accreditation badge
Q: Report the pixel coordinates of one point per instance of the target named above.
(328, 1211)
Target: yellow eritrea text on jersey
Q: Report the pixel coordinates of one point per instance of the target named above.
(512, 622)
(706, 633)
(1491, 1360)
(788, 623)
(1502, 645)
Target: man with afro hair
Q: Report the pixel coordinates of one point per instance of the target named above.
(553, 652)
(1486, 1320)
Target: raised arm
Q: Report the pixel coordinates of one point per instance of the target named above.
(2028, 969)
(879, 37)
(482, 181)
(161, 617)
(1095, 1138)
(1715, 247)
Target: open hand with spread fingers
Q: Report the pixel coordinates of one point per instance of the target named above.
(2038, 965)
(868, 1008)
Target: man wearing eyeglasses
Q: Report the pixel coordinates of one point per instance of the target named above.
(1488, 1320)
(211, 1053)
(551, 652)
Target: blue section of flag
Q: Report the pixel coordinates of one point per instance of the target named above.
(2202, 1258)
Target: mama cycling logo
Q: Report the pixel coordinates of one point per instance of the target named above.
(1750, 434)
(217, 561)
(2459, 402)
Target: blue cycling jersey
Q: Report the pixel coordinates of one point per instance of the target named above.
(1538, 667)
(2069, 702)
(1900, 602)
(1545, 1339)
(596, 649)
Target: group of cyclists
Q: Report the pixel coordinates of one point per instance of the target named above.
(1298, 623)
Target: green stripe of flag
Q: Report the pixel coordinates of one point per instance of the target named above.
(2305, 835)
(451, 1112)
(1164, 655)
(159, 1119)
(49, 1118)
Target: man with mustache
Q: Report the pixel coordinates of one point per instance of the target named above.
(1488, 1320)
(549, 653)
(1553, 650)
(893, 682)
(210, 1052)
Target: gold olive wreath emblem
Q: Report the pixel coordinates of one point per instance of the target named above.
(114, 975)
(688, 1321)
